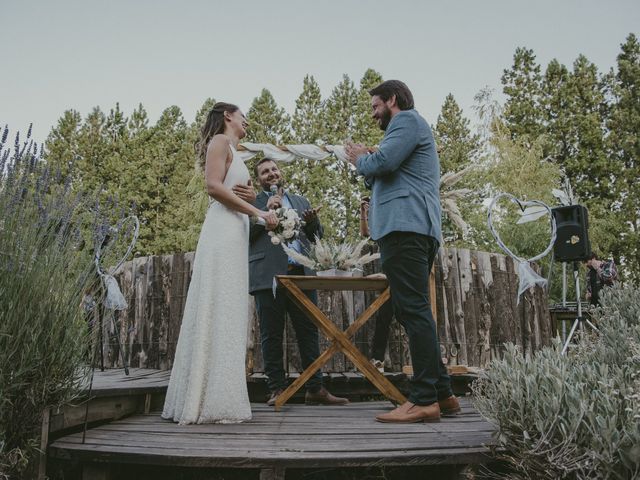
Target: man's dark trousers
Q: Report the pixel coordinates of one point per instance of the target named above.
(407, 258)
(271, 312)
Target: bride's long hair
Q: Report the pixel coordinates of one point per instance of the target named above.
(213, 126)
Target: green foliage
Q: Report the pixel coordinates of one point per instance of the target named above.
(456, 144)
(523, 86)
(574, 416)
(147, 167)
(587, 123)
(45, 269)
(624, 143)
(268, 123)
(458, 149)
(307, 122)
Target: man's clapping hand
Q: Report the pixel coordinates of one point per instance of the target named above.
(354, 150)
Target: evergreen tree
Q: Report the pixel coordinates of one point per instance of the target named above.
(307, 119)
(522, 85)
(456, 145)
(365, 129)
(589, 166)
(61, 146)
(556, 104)
(457, 149)
(171, 157)
(340, 111)
(624, 145)
(268, 123)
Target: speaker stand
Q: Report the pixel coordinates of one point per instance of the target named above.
(579, 321)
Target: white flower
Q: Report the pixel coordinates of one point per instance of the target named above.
(291, 214)
(289, 224)
(275, 240)
(288, 234)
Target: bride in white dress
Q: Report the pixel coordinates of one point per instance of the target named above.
(208, 383)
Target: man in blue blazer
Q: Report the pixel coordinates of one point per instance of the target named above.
(404, 219)
(265, 262)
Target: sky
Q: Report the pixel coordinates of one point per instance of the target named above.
(60, 55)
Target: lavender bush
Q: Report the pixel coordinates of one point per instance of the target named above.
(45, 267)
(575, 416)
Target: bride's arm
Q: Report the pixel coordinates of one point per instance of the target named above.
(215, 171)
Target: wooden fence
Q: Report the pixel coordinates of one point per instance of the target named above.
(476, 305)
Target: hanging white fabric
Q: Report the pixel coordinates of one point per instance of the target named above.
(528, 278)
(114, 300)
(292, 152)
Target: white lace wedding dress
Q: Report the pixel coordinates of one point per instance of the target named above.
(208, 382)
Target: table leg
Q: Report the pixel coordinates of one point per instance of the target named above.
(329, 352)
(343, 343)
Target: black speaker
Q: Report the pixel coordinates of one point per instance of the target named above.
(572, 233)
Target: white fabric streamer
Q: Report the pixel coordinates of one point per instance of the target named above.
(114, 300)
(528, 278)
(272, 152)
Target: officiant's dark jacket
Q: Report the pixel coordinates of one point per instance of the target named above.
(267, 260)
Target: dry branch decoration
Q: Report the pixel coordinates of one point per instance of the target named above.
(450, 197)
(325, 255)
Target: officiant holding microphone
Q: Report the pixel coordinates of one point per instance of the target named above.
(404, 219)
(267, 260)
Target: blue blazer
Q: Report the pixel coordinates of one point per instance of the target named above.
(404, 177)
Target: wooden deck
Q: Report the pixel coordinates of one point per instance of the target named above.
(128, 433)
(299, 436)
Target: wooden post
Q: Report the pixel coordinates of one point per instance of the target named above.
(44, 441)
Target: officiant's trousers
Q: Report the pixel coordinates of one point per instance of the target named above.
(407, 258)
(271, 314)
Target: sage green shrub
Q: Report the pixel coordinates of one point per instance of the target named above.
(575, 416)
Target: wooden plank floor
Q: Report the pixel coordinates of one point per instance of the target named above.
(140, 380)
(299, 436)
(113, 382)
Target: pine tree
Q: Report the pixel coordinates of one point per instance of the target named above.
(456, 145)
(172, 163)
(61, 146)
(365, 129)
(624, 145)
(268, 123)
(340, 111)
(522, 85)
(556, 104)
(307, 119)
(457, 149)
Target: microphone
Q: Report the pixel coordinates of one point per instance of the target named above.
(259, 220)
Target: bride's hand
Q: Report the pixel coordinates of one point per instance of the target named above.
(270, 218)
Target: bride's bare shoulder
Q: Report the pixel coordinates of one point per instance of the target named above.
(219, 141)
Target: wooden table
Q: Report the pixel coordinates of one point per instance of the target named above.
(340, 340)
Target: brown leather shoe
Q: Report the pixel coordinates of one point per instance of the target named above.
(411, 413)
(323, 397)
(272, 399)
(449, 406)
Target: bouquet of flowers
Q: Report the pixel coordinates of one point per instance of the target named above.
(288, 229)
(327, 255)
